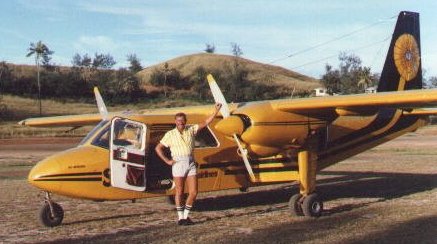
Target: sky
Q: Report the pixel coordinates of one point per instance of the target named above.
(302, 36)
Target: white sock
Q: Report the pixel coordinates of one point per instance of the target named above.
(180, 211)
(187, 211)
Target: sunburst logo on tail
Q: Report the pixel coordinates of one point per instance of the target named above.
(407, 58)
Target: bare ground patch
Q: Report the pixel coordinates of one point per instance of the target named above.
(385, 195)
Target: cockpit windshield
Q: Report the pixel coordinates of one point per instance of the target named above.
(102, 124)
(102, 139)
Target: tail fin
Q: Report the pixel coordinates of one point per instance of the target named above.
(402, 69)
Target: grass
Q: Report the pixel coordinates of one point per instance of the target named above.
(19, 108)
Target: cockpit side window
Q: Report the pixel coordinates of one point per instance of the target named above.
(205, 138)
(127, 134)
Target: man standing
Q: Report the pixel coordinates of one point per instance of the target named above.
(180, 140)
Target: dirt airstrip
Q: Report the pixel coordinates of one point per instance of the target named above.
(385, 195)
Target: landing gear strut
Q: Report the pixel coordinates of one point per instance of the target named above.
(51, 214)
(307, 202)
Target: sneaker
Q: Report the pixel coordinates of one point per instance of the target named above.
(188, 221)
(182, 222)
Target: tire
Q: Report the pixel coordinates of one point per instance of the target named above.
(46, 218)
(312, 206)
(295, 205)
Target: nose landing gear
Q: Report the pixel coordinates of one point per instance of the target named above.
(51, 214)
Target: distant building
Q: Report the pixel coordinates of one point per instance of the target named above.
(371, 89)
(321, 92)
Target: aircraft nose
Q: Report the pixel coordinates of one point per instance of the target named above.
(41, 174)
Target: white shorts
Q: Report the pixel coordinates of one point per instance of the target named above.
(183, 167)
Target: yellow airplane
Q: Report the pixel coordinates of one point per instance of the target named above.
(249, 144)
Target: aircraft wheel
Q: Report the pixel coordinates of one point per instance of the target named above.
(47, 219)
(312, 206)
(295, 205)
(244, 189)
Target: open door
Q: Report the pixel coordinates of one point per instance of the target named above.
(128, 154)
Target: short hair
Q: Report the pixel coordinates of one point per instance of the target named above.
(183, 115)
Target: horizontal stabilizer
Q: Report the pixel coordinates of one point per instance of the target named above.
(425, 111)
(399, 99)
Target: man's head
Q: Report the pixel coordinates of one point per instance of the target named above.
(180, 121)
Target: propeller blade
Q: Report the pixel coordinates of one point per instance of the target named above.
(100, 104)
(218, 96)
(245, 159)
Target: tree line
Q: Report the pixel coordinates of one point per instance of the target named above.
(123, 86)
(77, 82)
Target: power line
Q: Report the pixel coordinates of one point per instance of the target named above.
(332, 40)
(353, 50)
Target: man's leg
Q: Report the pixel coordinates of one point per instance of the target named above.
(179, 192)
(192, 194)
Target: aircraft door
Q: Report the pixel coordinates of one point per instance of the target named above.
(128, 154)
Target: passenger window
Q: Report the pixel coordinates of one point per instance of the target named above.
(205, 138)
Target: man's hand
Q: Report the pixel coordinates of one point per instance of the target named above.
(217, 108)
(170, 162)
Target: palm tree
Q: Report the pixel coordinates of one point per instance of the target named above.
(365, 79)
(166, 71)
(42, 53)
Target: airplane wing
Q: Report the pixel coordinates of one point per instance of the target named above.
(63, 121)
(360, 103)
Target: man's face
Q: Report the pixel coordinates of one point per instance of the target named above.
(180, 123)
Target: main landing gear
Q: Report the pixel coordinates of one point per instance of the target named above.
(309, 206)
(307, 202)
(51, 214)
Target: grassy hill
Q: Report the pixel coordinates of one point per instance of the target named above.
(257, 72)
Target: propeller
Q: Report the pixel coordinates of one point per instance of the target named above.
(224, 110)
(100, 104)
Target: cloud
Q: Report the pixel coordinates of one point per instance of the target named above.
(91, 44)
(133, 8)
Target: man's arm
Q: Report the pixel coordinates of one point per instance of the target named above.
(159, 149)
(211, 117)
